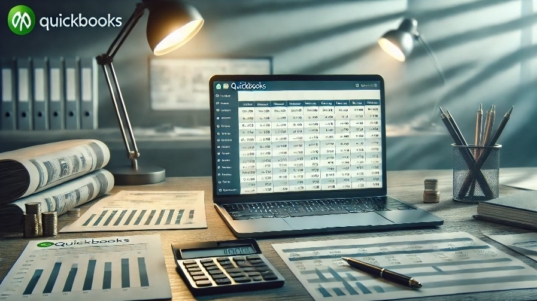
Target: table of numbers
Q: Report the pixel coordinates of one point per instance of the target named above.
(309, 145)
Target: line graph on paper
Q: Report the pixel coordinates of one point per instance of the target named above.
(445, 263)
(144, 210)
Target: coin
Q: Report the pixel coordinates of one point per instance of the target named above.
(35, 208)
(31, 228)
(50, 223)
(431, 196)
(431, 184)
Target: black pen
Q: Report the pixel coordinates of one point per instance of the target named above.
(382, 272)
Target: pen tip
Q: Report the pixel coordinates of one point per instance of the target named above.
(480, 107)
(510, 110)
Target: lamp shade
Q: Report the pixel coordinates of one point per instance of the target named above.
(399, 43)
(171, 24)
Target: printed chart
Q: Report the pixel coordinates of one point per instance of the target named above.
(111, 268)
(144, 210)
(445, 263)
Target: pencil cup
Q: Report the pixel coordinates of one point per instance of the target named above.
(476, 173)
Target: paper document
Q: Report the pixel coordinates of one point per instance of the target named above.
(445, 263)
(525, 181)
(524, 243)
(144, 210)
(107, 268)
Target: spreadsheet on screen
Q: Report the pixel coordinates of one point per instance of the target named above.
(292, 136)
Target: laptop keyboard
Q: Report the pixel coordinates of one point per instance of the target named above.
(242, 211)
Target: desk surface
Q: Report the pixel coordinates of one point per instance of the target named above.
(404, 185)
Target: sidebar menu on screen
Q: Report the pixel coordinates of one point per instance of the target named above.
(226, 139)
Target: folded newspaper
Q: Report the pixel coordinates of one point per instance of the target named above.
(33, 169)
(60, 175)
(60, 198)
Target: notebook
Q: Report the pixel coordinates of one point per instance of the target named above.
(303, 154)
(519, 210)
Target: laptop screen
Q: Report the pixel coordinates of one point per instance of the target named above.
(285, 134)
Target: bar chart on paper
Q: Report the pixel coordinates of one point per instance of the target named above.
(111, 268)
(144, 210)
(445, 263)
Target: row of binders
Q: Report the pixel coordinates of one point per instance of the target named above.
(48, 94)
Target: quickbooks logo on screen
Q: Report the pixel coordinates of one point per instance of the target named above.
(21, 21)
(92, 241)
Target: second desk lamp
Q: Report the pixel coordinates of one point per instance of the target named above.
(169, 26)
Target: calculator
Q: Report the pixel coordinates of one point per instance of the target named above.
(225, 266)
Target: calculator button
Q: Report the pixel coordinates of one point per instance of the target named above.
(261, 264)
(214, 272)
(209, 264)
(212, 268)
(264, 270)
(242, 279)
(203, 283)
(250, 257)
(192, 270)
(233, 270)
(239, 258)
(220, 259)
(198, 278)
(253, 274)
(219, 276)
(242, 264)
(206, 260)
(256, 278)
(224, 262)
(256, 261)
(222, 281)
(187, 262)
(197, 274)
(239, 274)
(269, 276)
(250, 269)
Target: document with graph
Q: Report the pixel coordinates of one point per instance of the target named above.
(523, 243)
(144, 210)
(445, 263)
(108, 268)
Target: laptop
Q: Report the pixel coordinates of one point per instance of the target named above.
(303, 154)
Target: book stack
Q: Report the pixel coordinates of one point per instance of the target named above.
(59, 176)
(519, 210)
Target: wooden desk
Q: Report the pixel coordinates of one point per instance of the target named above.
(404, 185)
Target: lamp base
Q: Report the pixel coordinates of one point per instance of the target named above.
(145, 174)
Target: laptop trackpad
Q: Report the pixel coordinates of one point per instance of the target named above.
(336, 221)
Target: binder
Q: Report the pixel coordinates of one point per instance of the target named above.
(72, 94)
(40, 94)
(24, 94)
(88, 94)
(8, 110)
(55, 84)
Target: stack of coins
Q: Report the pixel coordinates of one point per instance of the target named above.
(34, 208)
(431, 194)
(31, 226)
(73, 213)
(50, 223)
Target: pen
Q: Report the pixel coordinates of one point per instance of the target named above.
(382, 273)
(488, 125)
(478, 130)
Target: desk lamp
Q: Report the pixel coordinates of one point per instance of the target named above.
(170, 25)
(399, 44)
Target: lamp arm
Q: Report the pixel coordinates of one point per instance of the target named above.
(431, 54)
(105, 60)
(126, 30)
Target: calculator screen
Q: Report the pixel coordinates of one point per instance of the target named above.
(295, 136)
(230, 251)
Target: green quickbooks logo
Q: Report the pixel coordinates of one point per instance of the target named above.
(21, 20)
(45, 244)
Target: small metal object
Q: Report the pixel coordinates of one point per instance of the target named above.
(50, 223)
(35, 208)
(73, 213)
(31, 227)
(430, 193)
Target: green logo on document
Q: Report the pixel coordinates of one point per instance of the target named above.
(21, 20)
(45, 244)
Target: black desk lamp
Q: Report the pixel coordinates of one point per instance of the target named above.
(399, 44)
(170, 25)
